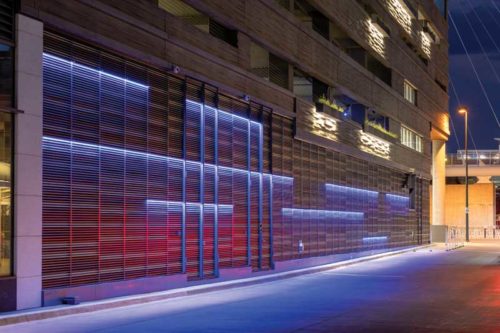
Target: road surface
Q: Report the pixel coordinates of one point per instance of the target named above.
(423, 291)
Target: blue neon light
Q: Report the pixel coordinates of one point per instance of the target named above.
(375, 239)
(180, 204)
(328, 213)
(350, 190)
(102, 148)
(224, 113)
(396, 197)
(49, 57)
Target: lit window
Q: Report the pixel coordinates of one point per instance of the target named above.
(411, 139)
(410, 93)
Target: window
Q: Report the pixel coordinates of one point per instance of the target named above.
(180, 9)
(411, 139)
(6, 74)
(410, 93)
(268, 66)
(442, 5)
(310, 88)
(378, 119)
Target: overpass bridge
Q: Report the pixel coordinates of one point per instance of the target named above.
(484, 189)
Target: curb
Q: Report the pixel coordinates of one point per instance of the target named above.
(64, 310)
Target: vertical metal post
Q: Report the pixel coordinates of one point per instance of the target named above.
(466, 180)
(271, 249)
(261, 167)
(202, 180)
(183, 219)
(216, 188)
(249, 193)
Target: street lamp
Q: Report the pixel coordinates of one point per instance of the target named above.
(463, 110)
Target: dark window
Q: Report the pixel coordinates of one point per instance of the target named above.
(378, 119)
(278, 71)
(6, 75)
(201, 21)
(7, 19)
(268, 66)
(379, 69)
(320, 89)
(230, 36)
(321, 24)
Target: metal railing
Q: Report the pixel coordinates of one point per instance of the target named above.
(474, 158)
(455, 237)
(484, 233)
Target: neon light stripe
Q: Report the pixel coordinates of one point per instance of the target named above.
(397, 197)
(49, 57)
(182, 204)
(348, 189)
(328, 213)
(224, 113)
(375, 239)
(47, 140)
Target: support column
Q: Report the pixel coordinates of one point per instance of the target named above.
(28, 163)
(438, 227)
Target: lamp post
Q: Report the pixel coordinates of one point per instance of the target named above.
(463, 110)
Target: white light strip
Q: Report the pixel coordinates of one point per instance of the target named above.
(349, 190)
(374, 239)
(182, 204)
(48, 140)
(397, 197)
(328, 213)
(47, 56)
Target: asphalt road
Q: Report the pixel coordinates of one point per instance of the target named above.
(423, 291)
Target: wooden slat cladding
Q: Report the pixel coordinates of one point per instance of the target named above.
(148, 174)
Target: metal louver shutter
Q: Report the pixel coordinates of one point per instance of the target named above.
(111, 182)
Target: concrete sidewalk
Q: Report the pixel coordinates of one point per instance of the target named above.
(64, 310)
(429, 290)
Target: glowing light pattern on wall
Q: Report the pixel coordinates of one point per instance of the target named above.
(77, 144)
(179, 205)
(215, 211)
(374, 145)
(350, 190)
(398, 204)
(396, 197)
(324, 125)
(401, 14)
(53, 60)
(426, 43)
(376, 38)
(376, 239)
(333, 214)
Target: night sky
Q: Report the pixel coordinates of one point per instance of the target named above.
(483, 44)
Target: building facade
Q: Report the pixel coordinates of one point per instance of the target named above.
(160, 144)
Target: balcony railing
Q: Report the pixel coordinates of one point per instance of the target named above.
(474, 158)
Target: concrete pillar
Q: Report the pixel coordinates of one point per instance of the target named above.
(28, 163)
(438, 229)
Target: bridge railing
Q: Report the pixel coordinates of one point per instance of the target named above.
(474, 158)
